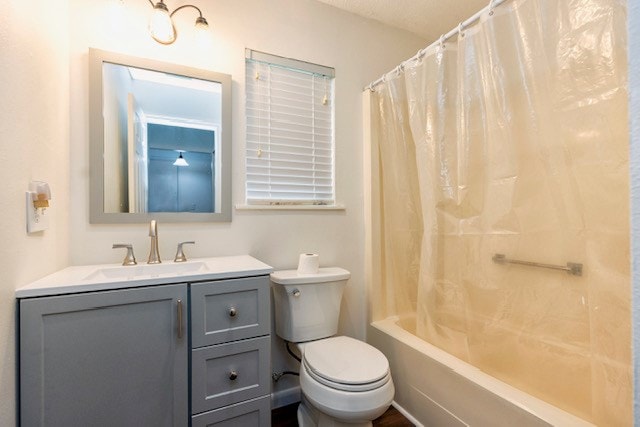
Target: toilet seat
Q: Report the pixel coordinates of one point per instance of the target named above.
(346, 364)
(347, 387)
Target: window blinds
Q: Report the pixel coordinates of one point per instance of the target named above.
(290, 136)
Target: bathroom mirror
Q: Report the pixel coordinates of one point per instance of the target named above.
(160, 141)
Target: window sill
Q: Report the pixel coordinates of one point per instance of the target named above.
(337, 207)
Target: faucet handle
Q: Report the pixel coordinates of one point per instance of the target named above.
(180, 257)
(129, 259)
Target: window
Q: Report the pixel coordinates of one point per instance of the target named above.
(290, 132)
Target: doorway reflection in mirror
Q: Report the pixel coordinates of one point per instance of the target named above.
(149, 116)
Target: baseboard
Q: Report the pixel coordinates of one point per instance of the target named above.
(406, 414)
(285, 397)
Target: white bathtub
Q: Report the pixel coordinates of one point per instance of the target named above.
(440, 390)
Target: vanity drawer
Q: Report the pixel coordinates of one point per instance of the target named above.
(229, 373)
(254, 413)
(228, 310)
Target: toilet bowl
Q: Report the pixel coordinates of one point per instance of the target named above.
(347, 381)
(344, 381)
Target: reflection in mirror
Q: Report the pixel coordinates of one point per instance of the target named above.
(158, 141)
(158, 132)
(181, 165)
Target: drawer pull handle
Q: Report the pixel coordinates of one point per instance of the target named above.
(233, 375)
(233, 312)
(179, 319)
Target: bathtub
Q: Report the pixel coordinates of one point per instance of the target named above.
(437, 389)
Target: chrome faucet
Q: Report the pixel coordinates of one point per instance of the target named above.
(154, 254)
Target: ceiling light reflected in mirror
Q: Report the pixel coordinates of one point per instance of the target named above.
(180, 161)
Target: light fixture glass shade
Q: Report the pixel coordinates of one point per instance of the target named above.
(161, 26)
(201, 33)
(180, 161)
(202, 24)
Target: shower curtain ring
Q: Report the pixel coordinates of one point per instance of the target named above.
(492, 5)
(460, 30)
(441, 42)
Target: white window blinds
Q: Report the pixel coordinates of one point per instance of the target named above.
(290, 135)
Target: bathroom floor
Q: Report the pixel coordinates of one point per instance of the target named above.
(286, 417)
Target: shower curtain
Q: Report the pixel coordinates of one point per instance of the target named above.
(512, 138)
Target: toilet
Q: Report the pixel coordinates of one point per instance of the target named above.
(344, 381)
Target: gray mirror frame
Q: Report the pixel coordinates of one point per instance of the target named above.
(96, 142)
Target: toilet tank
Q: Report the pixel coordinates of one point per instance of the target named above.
(307, 306)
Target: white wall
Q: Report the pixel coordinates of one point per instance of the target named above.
(634, 86)
(360, 50)
(34, 135)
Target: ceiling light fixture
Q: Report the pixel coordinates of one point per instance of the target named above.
(161, 23)
(180, 161)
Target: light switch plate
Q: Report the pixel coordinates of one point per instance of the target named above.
(37, 219)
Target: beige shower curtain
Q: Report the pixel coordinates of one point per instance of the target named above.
(512, 138)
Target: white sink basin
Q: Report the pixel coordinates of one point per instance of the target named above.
(147, 270)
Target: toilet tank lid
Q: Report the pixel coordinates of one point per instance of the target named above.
(325, 274)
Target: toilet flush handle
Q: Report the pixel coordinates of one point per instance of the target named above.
(296, 293)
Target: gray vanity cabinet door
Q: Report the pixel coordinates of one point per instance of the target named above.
(111, 358)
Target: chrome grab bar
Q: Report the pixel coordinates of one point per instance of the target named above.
(572, 268)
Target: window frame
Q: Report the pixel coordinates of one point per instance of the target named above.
(288, 202)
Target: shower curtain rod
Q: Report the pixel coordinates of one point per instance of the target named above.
(465, 24)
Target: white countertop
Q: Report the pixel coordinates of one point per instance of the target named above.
(87, 278)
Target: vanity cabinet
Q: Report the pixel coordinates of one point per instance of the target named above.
(113, 358)
(147, 351)
(230, 360)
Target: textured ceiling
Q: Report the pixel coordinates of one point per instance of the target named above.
(425, 18)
